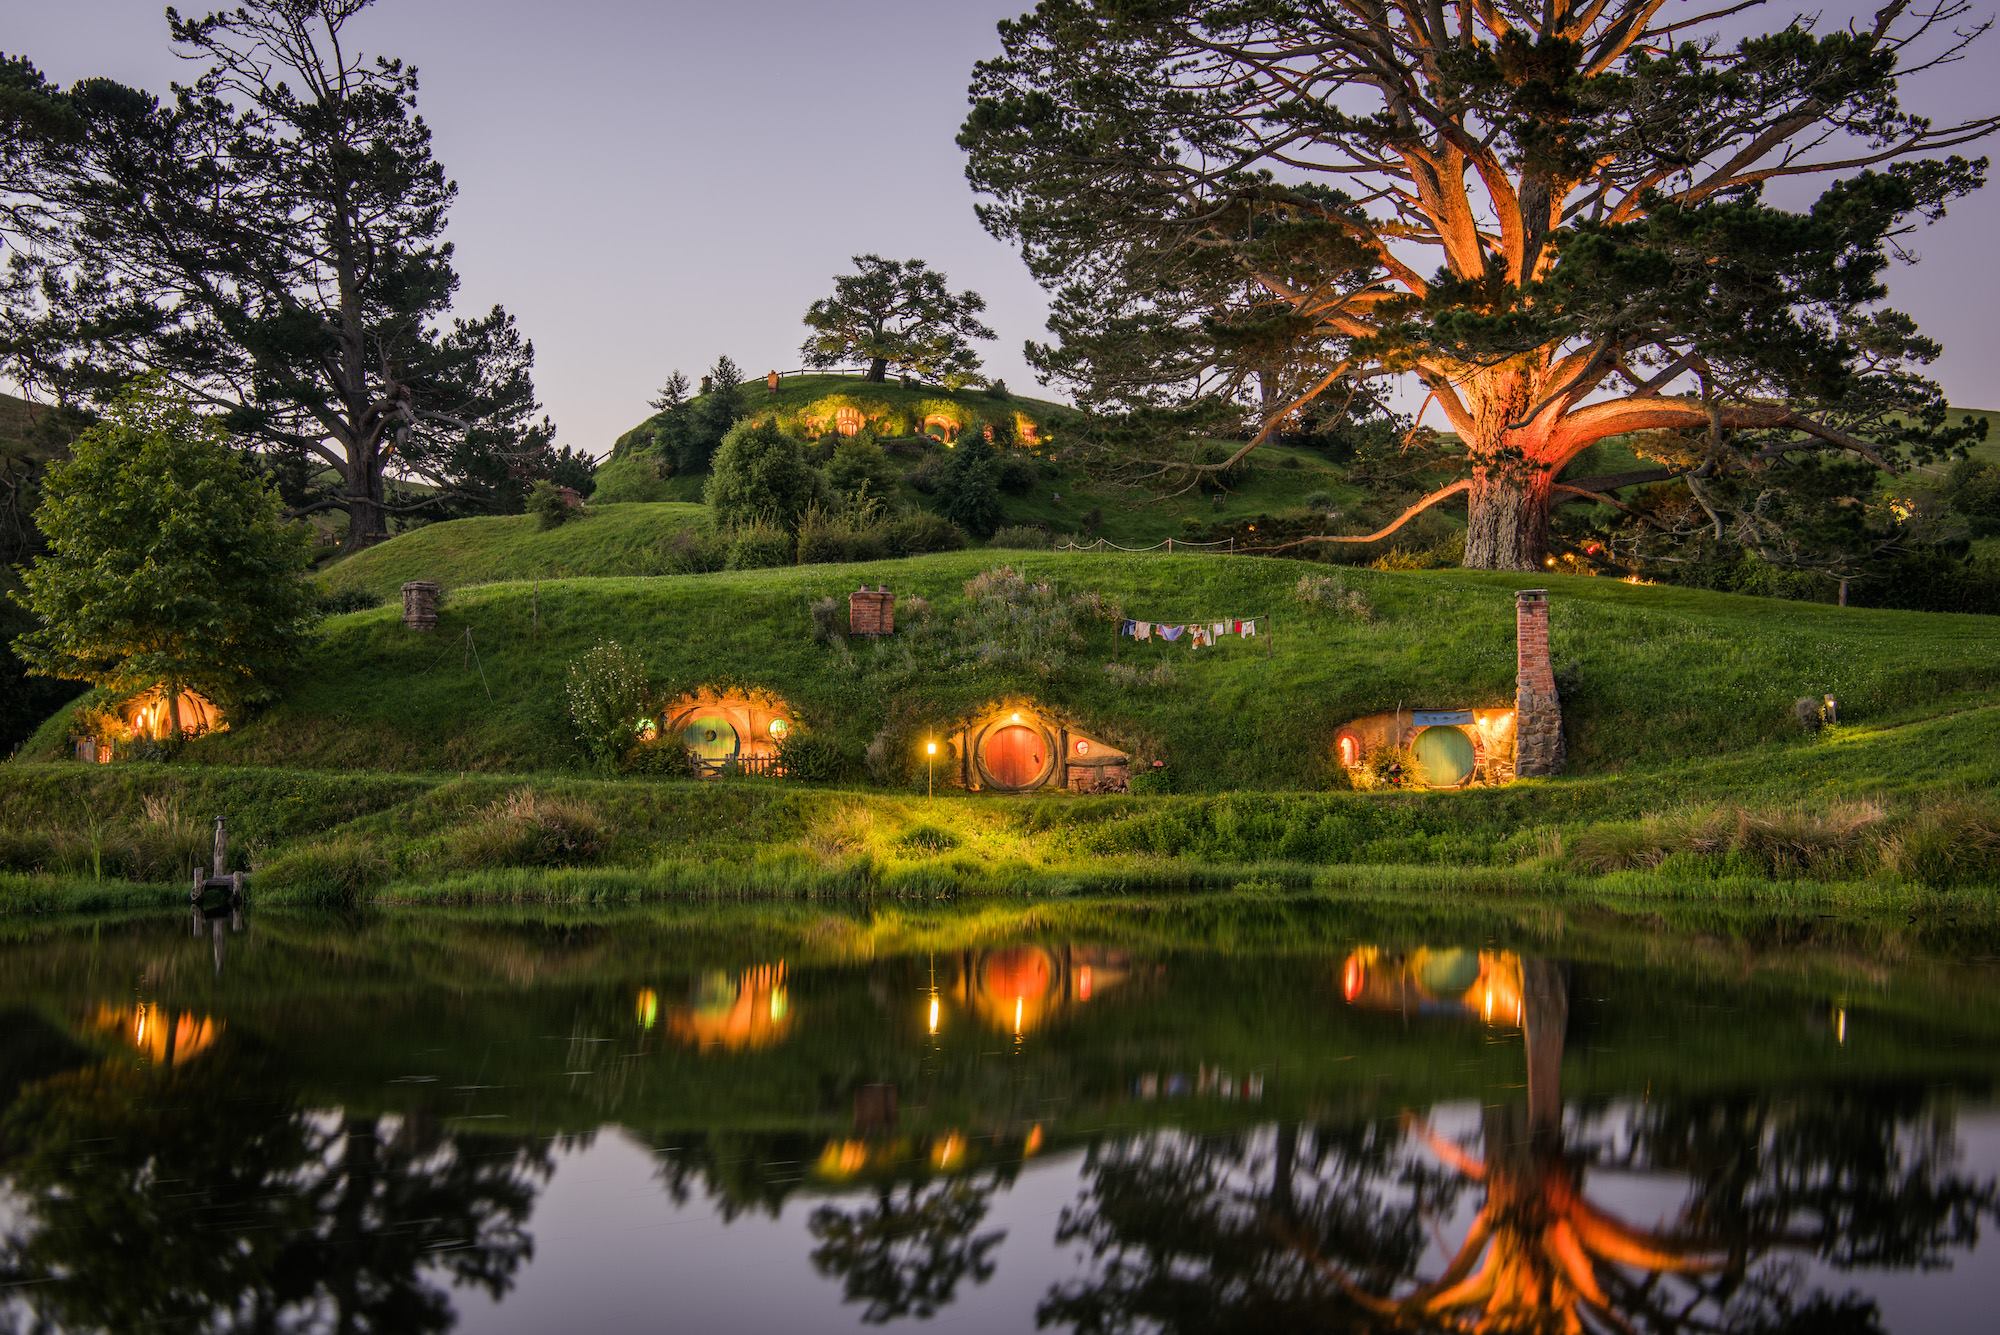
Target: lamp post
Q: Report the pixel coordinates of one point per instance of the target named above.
(930, 770)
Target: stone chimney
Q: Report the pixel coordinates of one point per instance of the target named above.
(1538, 720)
(420, 604)
(871, 611)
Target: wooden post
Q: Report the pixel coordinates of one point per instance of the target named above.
(221, 849)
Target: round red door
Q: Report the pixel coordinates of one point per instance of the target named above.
(1014, 756)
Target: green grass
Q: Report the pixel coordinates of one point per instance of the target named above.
(631, 539)
(1655, 675)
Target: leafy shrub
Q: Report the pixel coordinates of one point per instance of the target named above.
(859, 467)
(998, 390)
(334, 874)
(530, 829)
(1447, 553)
(759, 546)
(810, 756)
(606, 696)
(825, 537)
(919, 532)
(693, 551)
(1330, 593)
(968, 491)
(1028, 537)
(550, 507)
(334, 602)
(1321, 501)
(1017, 473)
(929, 474)
(761, 475)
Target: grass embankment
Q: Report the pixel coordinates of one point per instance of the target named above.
(1792, 835)
(1651, 675)
(1061, 498)
(634, 539)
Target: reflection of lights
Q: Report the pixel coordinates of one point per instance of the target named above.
(1352, 976)
(1033, 1144)
(779, 1005)
(648, 1008)
(842, 1158)
(934, 1015)
(1840, 1025)
(1084, 982)
(949, 1152)
(161, 1037)
(1017, 1015)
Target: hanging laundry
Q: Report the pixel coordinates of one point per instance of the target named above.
(1172, 633)
(1197, 636)
(1218, 630)
(1248, 628)
(1144, 631)
(1236, 627)
(1128, 628)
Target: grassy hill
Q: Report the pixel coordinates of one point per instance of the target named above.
(1653, 675)
(631, 539)
(1061, 498)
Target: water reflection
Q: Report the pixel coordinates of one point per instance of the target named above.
(353, 1132)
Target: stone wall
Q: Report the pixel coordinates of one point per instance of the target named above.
(1538, 736)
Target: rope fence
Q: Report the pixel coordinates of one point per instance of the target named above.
(1226, 546)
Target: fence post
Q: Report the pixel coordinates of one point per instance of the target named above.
(1170, 546)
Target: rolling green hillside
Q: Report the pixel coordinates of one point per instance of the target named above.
(632, 539)
(1653, 675)
(1061, 498)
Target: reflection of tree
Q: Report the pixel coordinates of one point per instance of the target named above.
(1188, 1233)
(907, 1250)
(1295, 1229)
(186, 1200)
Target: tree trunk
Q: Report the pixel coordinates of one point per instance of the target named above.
(367, 522)
(1507, 518)
(173, 712)
(878, 370)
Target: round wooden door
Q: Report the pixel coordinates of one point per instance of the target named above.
(1445, 756)
(710, 737)
(1015, 756)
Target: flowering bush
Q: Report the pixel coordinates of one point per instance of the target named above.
(606, 694)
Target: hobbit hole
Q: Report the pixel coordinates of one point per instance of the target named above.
(1020, 748)
(848, 421)
(723, 732)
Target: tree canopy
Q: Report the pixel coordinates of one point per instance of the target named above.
(270, 239)
(169, 562)
(1551, 217)
(901, 314)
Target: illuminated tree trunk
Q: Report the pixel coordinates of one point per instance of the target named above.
(1507, 517)
(173, 710)
(878, 370)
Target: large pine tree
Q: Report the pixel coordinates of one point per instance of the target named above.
(270, 240)
(1550, 216)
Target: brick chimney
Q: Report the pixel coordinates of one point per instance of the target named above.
(420, 604)
(1538, 720)
(871, 611)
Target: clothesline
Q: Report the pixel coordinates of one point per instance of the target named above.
(1202, 633)
(1170, 545)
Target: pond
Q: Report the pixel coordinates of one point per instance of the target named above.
(1204, 1115)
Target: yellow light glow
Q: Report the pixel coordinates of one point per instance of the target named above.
(934, 1015)
(1017, 716)
(1033, 1144)
(1840, 1026)
(949, 1152)
(1017, 1014)
(648, 1008)
(930, 748)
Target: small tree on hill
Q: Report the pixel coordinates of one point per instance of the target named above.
(711, 416)
(169, 563)
(762, 474)
(899, 313)
(969, 488)
(860, 469)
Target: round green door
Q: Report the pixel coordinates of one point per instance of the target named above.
(1445, 757)
(710, 737)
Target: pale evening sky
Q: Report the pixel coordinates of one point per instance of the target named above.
(647, 183)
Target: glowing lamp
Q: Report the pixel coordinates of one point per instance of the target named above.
(779, 727)
(930, 748)
(1017, 716)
